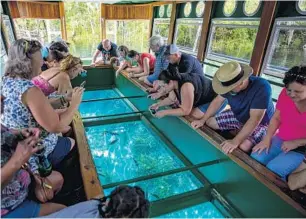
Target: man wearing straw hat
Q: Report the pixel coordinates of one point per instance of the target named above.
(251, 106)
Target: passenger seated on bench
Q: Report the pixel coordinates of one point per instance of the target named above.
(161, 62)
(146, 63)
(15, 180)
(184, 62)
(123, 202)
(283, 151)
(297, 179)
(25, 106)
(57, 79)
(251, 106)
(192, 93)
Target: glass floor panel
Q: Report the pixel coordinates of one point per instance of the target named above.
(205, 210)
(166, 186)
(100, 94)
(127, 150)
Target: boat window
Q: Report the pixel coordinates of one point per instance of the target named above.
(161, 11)
(132, 33)
(187, 34)
(287, 48)
(169, 10)
(161, 27)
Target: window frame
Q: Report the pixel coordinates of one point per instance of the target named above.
(161, 21)
(193, 21)
(278, 72)
(225, 58)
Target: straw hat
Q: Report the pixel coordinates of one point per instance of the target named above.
(229, 76)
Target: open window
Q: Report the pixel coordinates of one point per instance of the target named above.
(131, 33)
(161, 23)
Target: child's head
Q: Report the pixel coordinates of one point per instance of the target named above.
(125, 202)
(122, 51)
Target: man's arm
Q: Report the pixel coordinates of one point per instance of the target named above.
(95, 56)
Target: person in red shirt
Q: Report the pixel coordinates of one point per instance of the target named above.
(146, 63)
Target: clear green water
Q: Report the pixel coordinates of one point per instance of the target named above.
(104, 107)
(127, 150)
(99, 94)
(166, 186)
(205, 210)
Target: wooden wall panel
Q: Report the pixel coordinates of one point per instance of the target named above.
(127, 12)
(205, 30)
(262, 38)
(43, 10)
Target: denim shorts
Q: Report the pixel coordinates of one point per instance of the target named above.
(205, 106)
(153, 77)
(27, 209)
(62, 148)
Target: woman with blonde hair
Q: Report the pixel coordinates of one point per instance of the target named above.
(57, 79)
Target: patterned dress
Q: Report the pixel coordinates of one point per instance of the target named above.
(16, 191)
(18, 116)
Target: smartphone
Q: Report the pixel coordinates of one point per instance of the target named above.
(83, 84)
(152, 111)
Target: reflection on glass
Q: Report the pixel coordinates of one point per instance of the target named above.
(161, 27)
(188, 34)
(43, 30)
(200, 9)
(289, 45)
(161, 11)
(169, 10)
(8, 30)
(232, 40)
(229, 7)
(250, 7)
(187, 9)
(302, 6)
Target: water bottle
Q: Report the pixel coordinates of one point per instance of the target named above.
(44, 165)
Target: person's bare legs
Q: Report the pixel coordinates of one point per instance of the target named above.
(49, 208)
(297, 179)
(56, 179)
(212, 123)
(196, 113)
(246, 146)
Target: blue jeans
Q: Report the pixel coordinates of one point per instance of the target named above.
(27, 209)
(277, 161)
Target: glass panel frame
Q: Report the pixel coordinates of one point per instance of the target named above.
(252, 23)
(280, 25)
(189, 22)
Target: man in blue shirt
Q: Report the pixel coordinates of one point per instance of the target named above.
(250, 99)
(183, 62)
(107, 49)
(161, 62)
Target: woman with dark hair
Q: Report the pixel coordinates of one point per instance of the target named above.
(282, 151)
(192, 93)
(123, 202)
(146, 63)
(25, 106)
